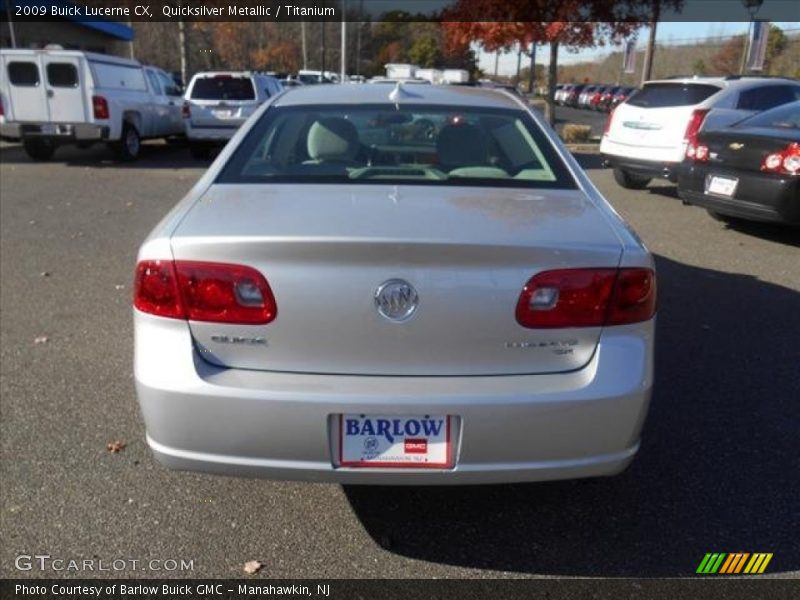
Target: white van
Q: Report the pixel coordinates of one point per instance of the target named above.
(53, 97)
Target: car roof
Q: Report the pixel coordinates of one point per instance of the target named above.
(452, 95)
(728, 82)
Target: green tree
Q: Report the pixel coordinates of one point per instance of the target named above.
(425, 51)
(699, 67)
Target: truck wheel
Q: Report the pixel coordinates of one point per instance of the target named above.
(130, 144)
(199, 151)
(39, 149)
(630, 181)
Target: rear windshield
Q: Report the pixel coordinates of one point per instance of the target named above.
(221, 87)
(783, 117)
(23, 74)
(431, 145)
(661, 95)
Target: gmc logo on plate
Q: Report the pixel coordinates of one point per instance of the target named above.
(415, 446)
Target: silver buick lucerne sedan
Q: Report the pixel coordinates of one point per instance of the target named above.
(394, 285)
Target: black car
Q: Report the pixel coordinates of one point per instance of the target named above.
(750, 170)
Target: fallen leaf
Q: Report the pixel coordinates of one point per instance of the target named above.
(115, 446)
(119, 287)
(251, 567)
(42, 339)
(44, 274)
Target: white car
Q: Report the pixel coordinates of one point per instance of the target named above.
(54, 97)
(217, 103)
(395, 286)
(649, 135)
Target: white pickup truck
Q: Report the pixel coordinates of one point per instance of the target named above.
(53, 97)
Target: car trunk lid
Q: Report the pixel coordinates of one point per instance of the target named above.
(325, 251)
(746, 147)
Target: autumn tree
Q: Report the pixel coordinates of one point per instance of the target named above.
(728, 61)
(573, 24)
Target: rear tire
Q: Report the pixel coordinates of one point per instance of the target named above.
(130, 144)
(630, 181)
(199, 151)
(39, 149)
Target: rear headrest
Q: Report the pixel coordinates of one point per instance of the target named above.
(462, 145)
(333, 139)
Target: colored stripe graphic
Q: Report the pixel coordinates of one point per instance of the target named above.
(732, 564)
(758, 563)
(711, 563)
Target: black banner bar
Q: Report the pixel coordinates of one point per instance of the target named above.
(708, 588)
(393, 10)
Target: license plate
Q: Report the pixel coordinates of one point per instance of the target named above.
(389, 441)
(721, 186)
(48, 128)
(223, 114)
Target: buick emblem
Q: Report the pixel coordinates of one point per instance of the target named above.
(396, 300)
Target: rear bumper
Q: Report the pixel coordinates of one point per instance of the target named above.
(213, 134)
(644, 168)
(58, 132)
(280, 425)
(758, 197)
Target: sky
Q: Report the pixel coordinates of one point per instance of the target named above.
(666, 33)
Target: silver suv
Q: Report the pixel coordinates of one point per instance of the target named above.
(217, 103)
(650, 134)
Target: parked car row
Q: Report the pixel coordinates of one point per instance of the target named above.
(711, 137)
(54, 97)
(593, 97)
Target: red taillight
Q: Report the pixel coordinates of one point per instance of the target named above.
(698, 153)
(634, 298)
(610, 117)
(786, 161)
(100, 107)
(186, 111)
(202, 291)
(692, 129)
(587, 298)
(156, 289)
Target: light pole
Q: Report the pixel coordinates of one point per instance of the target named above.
(752, 7)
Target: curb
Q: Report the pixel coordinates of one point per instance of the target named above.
(584, 148)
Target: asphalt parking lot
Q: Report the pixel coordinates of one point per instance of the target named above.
(717, 470)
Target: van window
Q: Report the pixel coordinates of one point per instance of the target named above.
(662, 95)
(62, 75)
(223, 87)
(23, 74)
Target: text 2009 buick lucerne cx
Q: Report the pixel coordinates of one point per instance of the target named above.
(394, 285)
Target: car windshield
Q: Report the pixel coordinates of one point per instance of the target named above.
(662, 95)
(783, 117)
(223, 87)
(436, 145)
